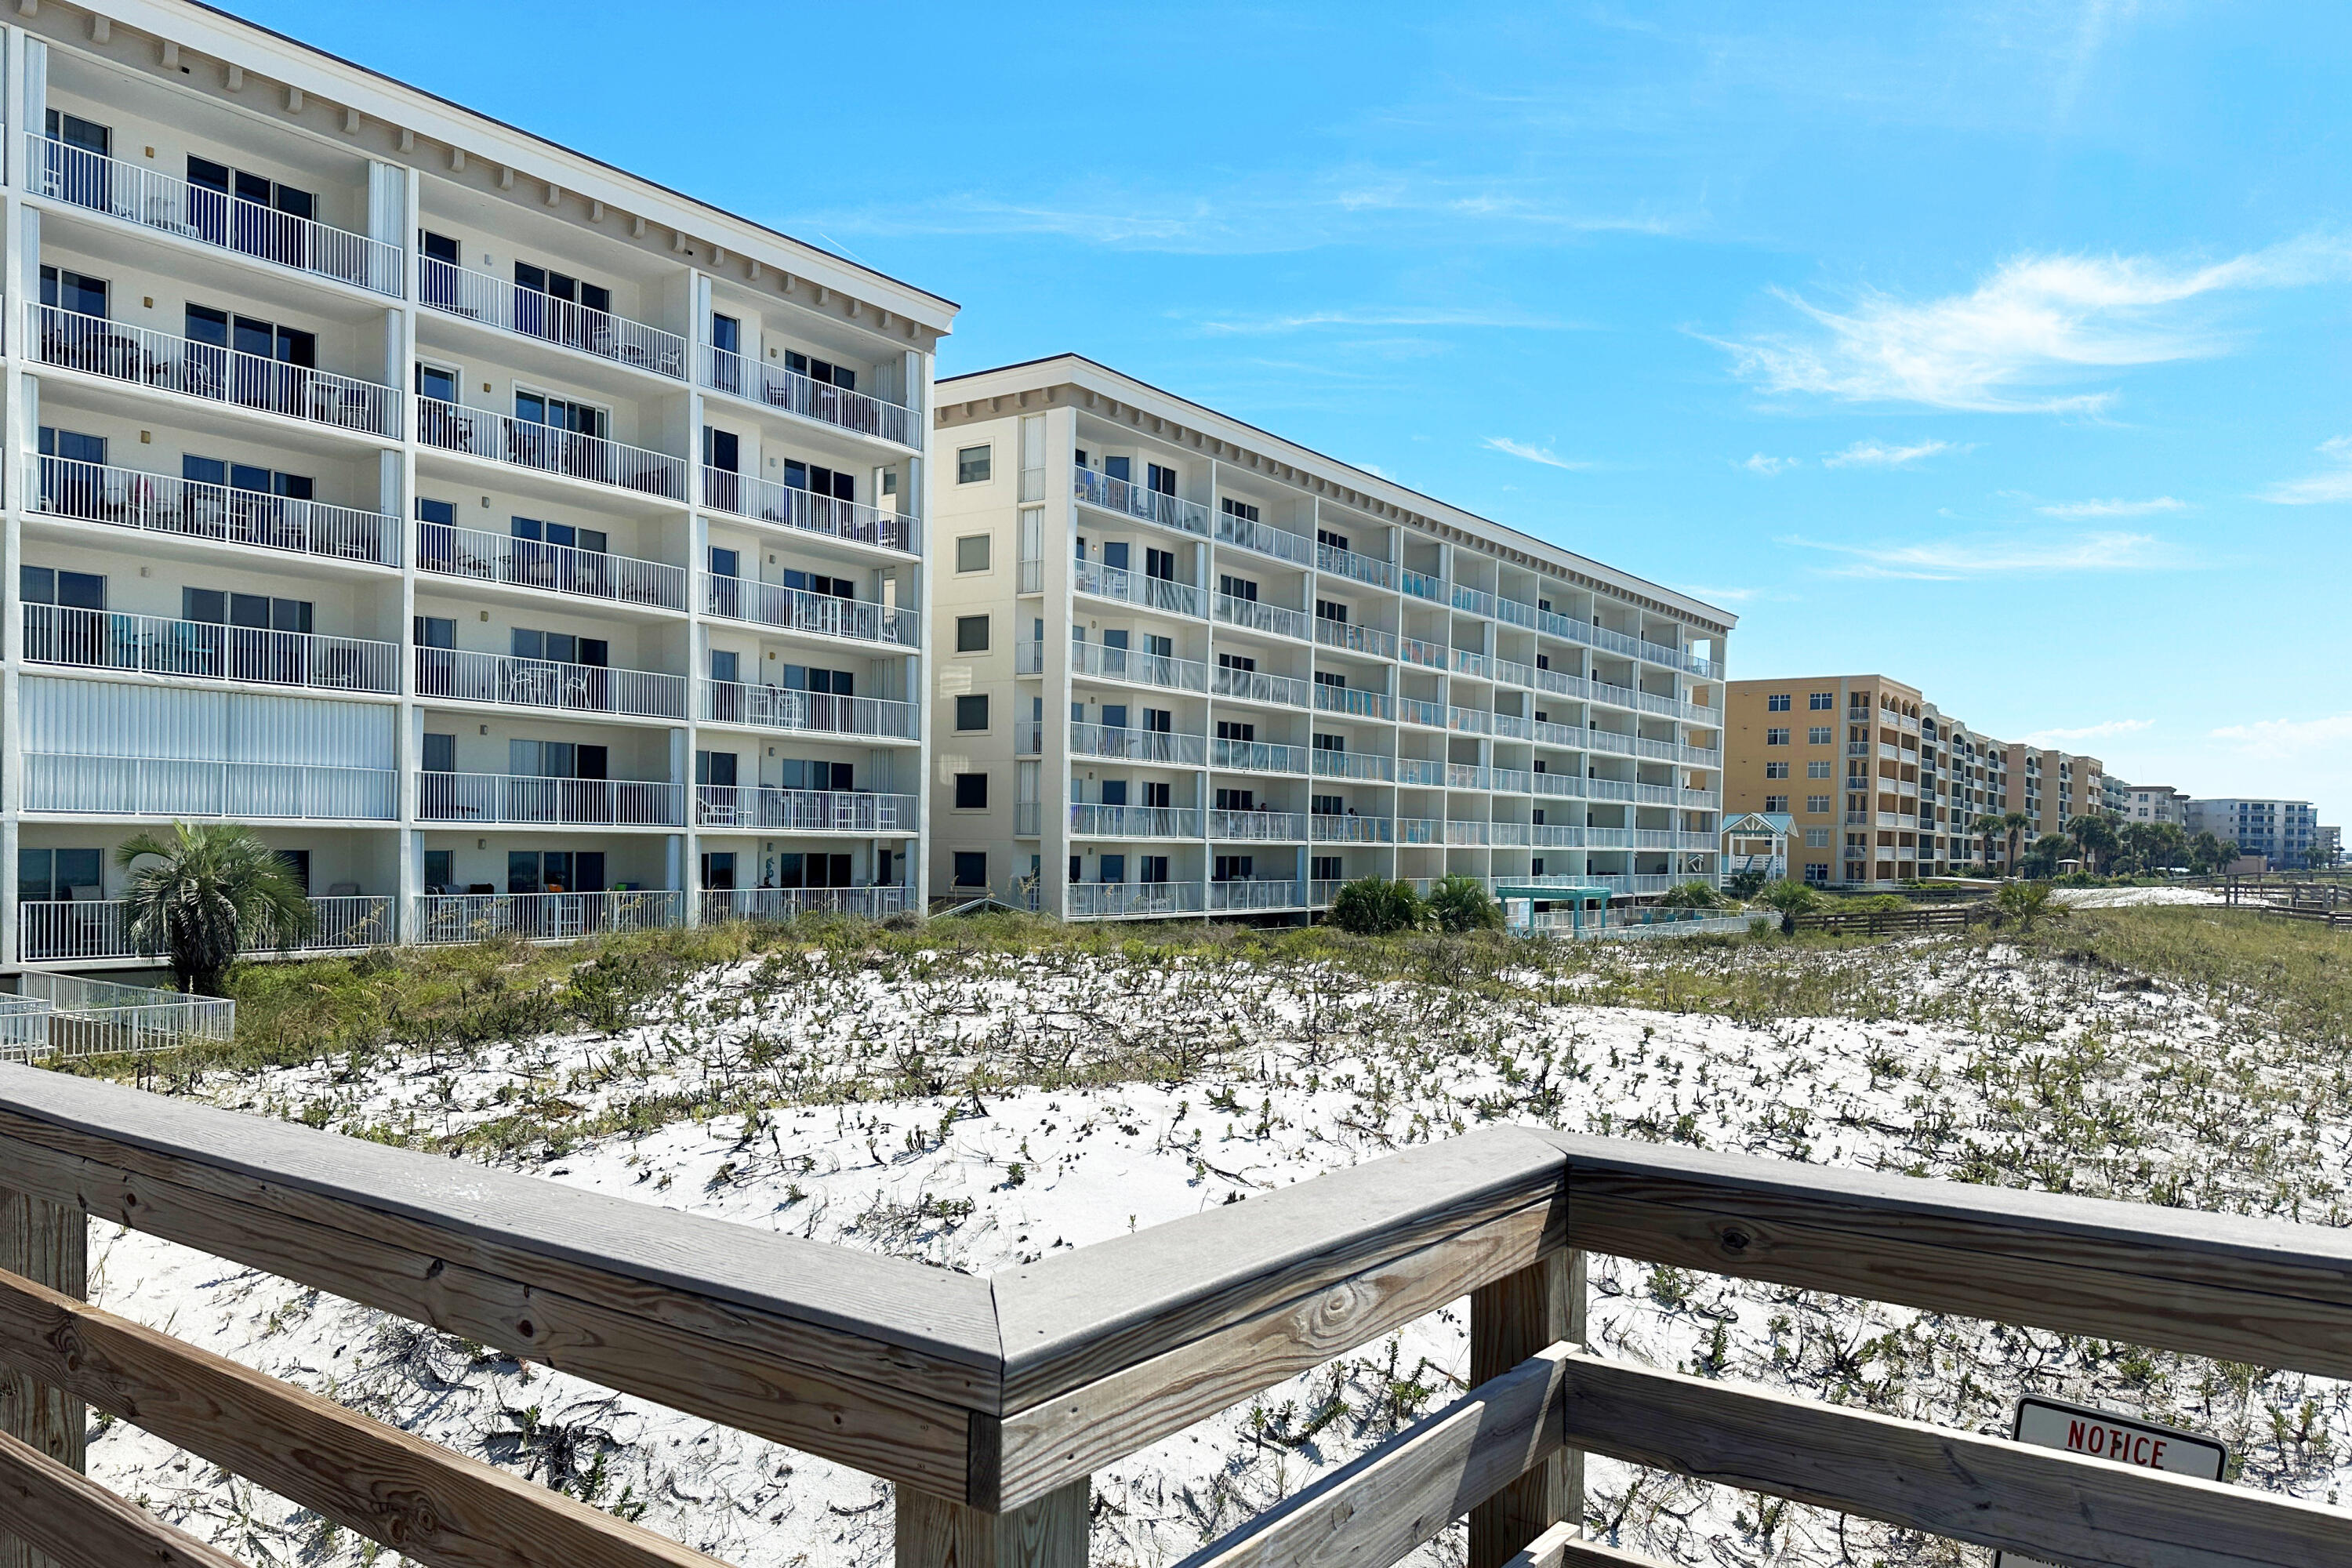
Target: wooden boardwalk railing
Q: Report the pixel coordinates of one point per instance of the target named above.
(991, 1402)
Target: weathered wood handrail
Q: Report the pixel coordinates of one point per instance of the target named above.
(991, 1401)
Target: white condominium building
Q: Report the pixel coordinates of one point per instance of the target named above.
(1184, 666)
(517, 544)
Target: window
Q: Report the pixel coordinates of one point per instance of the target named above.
(1776, 770)
(1331, 610)
(1817, 837)
(72, 291)
(1817, 805)
(1818, 735)
(72, 590)
(971, 792)
(59, 874)
(1775, 803)
(970, 867)
(971, 712)
(1777, 702)
(1325, 867)
(255, 611)
(972, 634)
(1776, 737)
(973, 465)
(1818, 769)
(1822, 702)
(1151, 868)
(1234, 869)
(1817, 874)
(971, 552)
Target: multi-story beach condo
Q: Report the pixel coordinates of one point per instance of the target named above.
(515, 542)
(1183, 666)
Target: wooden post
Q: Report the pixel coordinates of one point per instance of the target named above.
(1048, 1533)
(50, 1244)
(1510, 1320)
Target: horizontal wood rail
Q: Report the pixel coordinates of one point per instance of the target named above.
(1887, 922)
(991, 1402)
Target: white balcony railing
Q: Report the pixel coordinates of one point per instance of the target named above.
(478, 297)
(162, 362)
(154, 200)
(1122, 743)
(1469, 721)
(1370, 641)
(204, 650)
(51, 931)
(1367, 766)
(1107, 663)
(1239, 896)
(1257, 685)
(1348, 563)
(1354, 701)
(1146, 505)
(184, 786)
(1419, 830)
(1137, 588)
(812, 712)
(762, 808)
(485, 557)
(1414, 710)
(1424, 771)
(1473, 601)
(1264, 540)
(1421, 585)
(544, 917)
(1256, 756)
(1331, 829)
(578, 803)
(1092, 819)
(1273, 619)
(873, 903)
(157, 504)
(816, 614)
(784, 505)
(1257, 827)
(1429, 655)
(790, 392)
(460, 675)
(503, 438)
(1098, 900)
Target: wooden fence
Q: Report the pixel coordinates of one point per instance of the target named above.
(989, 1402)
(2327, 903)
(1887, 922)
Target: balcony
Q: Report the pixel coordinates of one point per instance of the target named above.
(55, 931)
(1237, 896)
(1331, 829)
(1473, 601)
(1469, 721)
(1414, 710)
(1419, 830)
(202, 650)
(1256, 756)
(154, 200)
(1257, 685)
(1428, 655)
(790, 392)
(157, 504)
(1120, 744)
(457, 675)
(782, 505)
(543, 448)
(1095, 901)
(1272, 619)
(1512, 727)
(1355, 701)
(570, 802)
(480, 556)
(1145, 505)
(1421, 772)
(721, 905)
(1103, 662)
(1160, 593)
(1422, 585)
(89, 786)
(1469, 662)
(1366, 766)
(1462, 834)
(544, 917)
(478, 297)
(810, 713)
(1349, 637)
(760, 808)
(1260, 826)
(1094, 820)
(1348, 563)
(810, 614)
(162, 362)
(1245, 534)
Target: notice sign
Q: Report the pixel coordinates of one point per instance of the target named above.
(2119, 1439)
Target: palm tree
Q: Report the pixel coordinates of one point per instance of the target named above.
(2094, 832)
(2014, 825)
(207, 893)
(1989, 828)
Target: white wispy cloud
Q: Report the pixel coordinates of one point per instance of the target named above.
(2026, 337)
(2115, 508)
(1953, 560)
(1879, 455)
(1308, 320)
(1761, 464)
(2107, 732)
(2331, 483)
(2290, 739)
(1718, 596)
(1533, 454)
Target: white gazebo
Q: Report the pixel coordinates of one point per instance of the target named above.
(1757, 841)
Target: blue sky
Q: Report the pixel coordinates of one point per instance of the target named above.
(2002, 348)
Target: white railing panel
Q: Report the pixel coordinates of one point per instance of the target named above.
(1257, 616)
(478, 297)
(817, 615)
(1146, 505)
(508, 797)
(1359, 702)
(485, 557)
(767, 809)
(819, 712)
(790, 392)
(783, 506)
(1352, 829)
(461, 675)
(1257, 827)
(1174, 749)
(157, 504)
(1238, 896)
(503, 438)
(1107, 663)
(1137, 588)
(1264, 540)
(544, 916)
(202, 650)
(1257, 685)
(1359, 766)
(1348, 563)
(1256, 756)
(873, 903)
(1370, 641)
(162, 362)
(1092, 819)
(176, 787)
(1086, 900)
